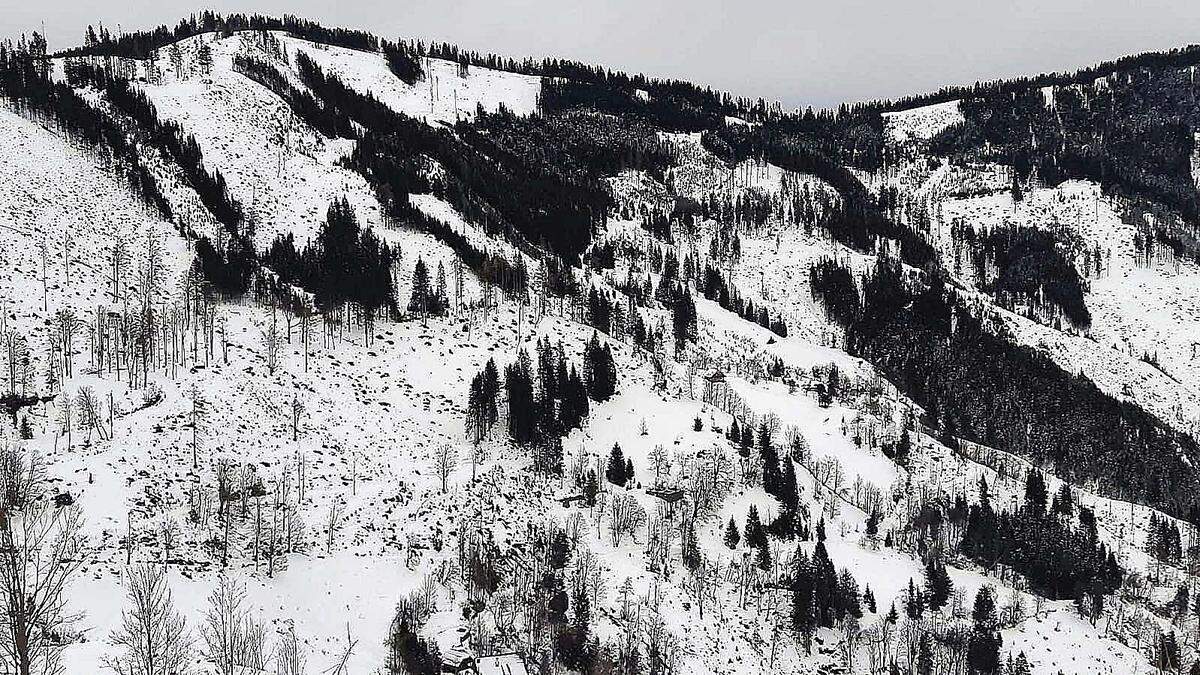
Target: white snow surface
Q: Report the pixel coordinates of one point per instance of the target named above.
(921, 123)
(376, 410)
(441, 95)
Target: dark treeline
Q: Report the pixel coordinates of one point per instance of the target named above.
(668, 108)
(1059, 553)
(834, 285)
(403, 61)
(25, 81)
(346, 264)
(580, 144)
(488, 182)
(404, 58)
(167, 136)
(1183, 57)
(1130, 132)
(720, 291)
(141, 44)
(228, 265)
(852, 134)
(976, 384)
(510, 276)
(302, 103)
(1030, 265)
(389, 164)
(857, 222)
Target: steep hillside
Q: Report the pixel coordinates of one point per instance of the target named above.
(378, 356)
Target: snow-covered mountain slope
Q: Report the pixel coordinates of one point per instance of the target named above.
(282, 171)
(61, 214)
(1140, 310)
(921, 124)
(444, 94)
(321, 454)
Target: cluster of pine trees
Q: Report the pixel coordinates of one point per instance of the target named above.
(599, 369)
(581, 143)
(345, 264)
(619, 470)
(720, 291)
(978, 385)
(403, 61)
(428, 299)
(25, 83)
(1162, 541)
(1059, 554)
(1029, 265)
(821, 596)
(545, 400)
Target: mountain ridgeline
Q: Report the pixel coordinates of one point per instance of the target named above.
(539, 182)
(536, 366)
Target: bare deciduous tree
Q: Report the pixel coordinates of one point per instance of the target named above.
(168, 532)
(233, 640)
(197, 418)
(271, 342)
(90, 414)
(289, 655)
(40, 550)
(334, 521)
(66, 326)
(626, 515)
(444, 459)
(297, 411)
(153, 637)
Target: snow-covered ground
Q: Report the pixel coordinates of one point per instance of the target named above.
(441, 95)
(921, 123)
(372, 520)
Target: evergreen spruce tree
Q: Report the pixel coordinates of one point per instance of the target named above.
(419, 301)
(1035, 493)
(762, 555)
(804, 609)
(770, 461)
(788, 489)
(937, 584)
(914, 602)
(441, 298)
(617, 467)
(983, 646)
(755, 536)
(847, 601)
(732, 538)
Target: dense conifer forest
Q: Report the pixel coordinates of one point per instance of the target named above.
(975, 384)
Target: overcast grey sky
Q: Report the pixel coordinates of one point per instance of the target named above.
(799, 52)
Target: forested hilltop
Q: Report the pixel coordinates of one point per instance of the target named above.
(326, 351)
